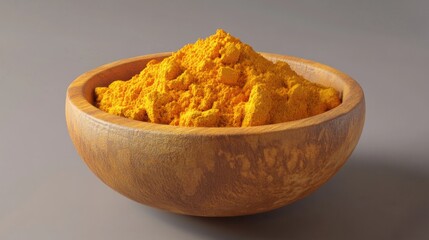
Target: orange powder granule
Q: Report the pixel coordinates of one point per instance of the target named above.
(216, 82)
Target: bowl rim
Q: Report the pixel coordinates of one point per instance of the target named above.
(75, 98)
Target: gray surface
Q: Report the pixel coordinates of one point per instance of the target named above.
(46, 192)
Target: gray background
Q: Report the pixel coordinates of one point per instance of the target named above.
(46, 191)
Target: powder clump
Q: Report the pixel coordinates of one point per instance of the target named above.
(216, 82)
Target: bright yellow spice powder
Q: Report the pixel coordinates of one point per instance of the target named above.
(216, 82)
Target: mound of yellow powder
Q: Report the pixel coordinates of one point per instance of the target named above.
(216, 82)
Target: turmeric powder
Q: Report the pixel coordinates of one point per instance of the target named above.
(216, 82)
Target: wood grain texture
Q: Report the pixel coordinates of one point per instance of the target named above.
(214, 171)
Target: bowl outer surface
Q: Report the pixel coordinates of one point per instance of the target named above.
(214, 171)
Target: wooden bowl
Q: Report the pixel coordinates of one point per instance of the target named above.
(214, 171)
